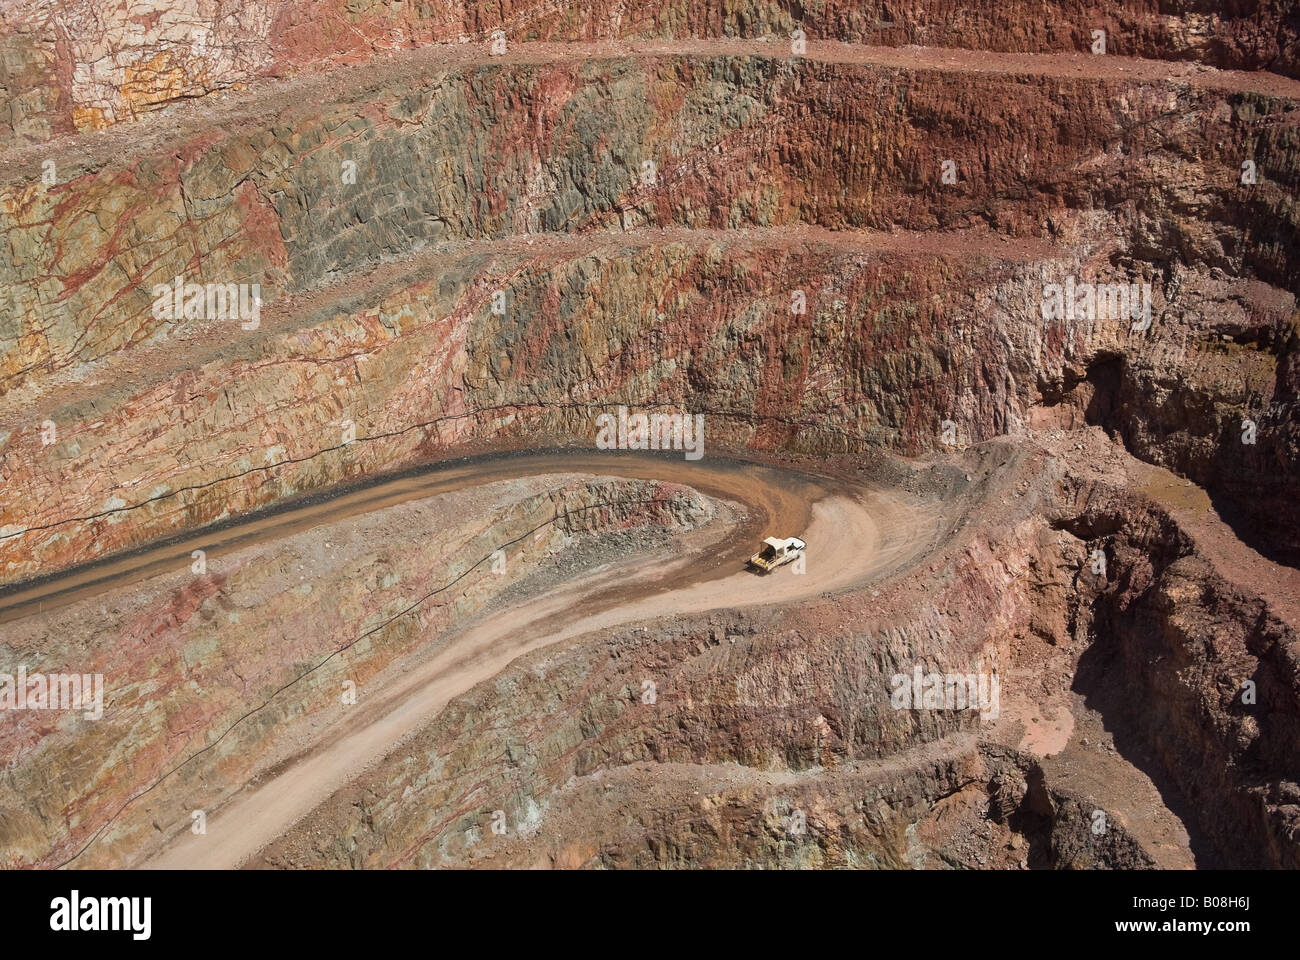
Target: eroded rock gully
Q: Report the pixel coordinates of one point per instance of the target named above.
(469, 253)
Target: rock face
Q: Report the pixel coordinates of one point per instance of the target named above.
(415, 239)
(86, 64)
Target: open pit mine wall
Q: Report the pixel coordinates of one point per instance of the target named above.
(86, 64)
(474, 175)
(368, 317)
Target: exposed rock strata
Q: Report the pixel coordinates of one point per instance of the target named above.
(213, 142)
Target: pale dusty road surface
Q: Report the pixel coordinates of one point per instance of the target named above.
(852, 536)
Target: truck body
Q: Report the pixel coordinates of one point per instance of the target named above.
(776, 551)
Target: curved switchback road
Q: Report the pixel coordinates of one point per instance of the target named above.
(854, 532)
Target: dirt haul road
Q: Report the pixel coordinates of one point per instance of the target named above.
(854, 532)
